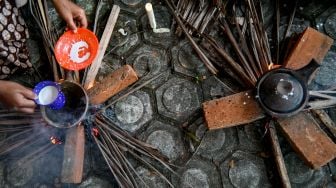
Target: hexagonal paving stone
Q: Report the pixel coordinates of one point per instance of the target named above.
(125, 35)
(186, 61)
(244, 170)
(160, 80)
(330, 25)
(167, 139)
(132, 112)
(198, 173)
(163, 19)
(326, 76)
(250, 138)
(325, 23)
(148, 61)
(214, 88)
(301, 175)
(135, 7)
(178, 98)
(95, 182)
(150, 178)
(217, 144)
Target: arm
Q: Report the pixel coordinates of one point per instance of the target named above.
(16, 96)
(71, 13)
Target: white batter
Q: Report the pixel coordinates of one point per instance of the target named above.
(48, 95)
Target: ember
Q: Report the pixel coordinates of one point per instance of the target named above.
(95, 131)
(55, 140)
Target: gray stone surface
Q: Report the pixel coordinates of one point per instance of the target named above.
(268, 11)
(250, 138)
(301, 175)
(148, 61)
(132, 112)
(214, 88)
(330, 25)
(131, 2)
(89, 8)
(186, 61)
(326, 76)
(167, 139)
(178, 98)
(19, 174)
(163, 19)
(125, 36)
(134, 7)
(150, 178)
(244, 170)
(109, 64)
(56, 22)
(324, 23)
(198, 173)
(218, 144)
(298, 26)
(95, 182)
(164, 77)
(48, 164)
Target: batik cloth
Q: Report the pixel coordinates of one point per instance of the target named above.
(13, 38)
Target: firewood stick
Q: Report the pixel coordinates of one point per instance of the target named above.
(237, 48)
(199, 52)
(103, 43)
(278, 156)
(324, 117)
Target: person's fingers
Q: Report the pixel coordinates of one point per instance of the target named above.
(24, 99)
(71, 23)
(82, 19)
(26, 110)
(26, 103)
(27, 93)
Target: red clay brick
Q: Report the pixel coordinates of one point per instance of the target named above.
(233, 110)
(311, 44)
(73, 162)
(310, 142)
(112, 84)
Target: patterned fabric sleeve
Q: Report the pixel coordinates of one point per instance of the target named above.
(13, 37)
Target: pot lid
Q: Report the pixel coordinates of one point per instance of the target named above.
(281, 92)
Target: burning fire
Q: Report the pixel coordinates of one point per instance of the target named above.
(55, 140)
(95, 131)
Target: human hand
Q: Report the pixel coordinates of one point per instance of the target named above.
(16, 96)
(71, 13)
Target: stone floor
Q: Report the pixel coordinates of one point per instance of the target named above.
(234, 157)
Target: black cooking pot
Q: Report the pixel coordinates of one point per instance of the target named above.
(283, 92)
(74, 110)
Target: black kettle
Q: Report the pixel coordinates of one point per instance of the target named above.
(283, 92)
